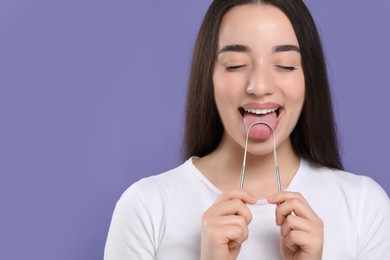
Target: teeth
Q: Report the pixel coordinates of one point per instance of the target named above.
(260, 111)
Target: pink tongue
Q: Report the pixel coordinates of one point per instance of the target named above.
(260, 131)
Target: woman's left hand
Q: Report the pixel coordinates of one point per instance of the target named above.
(302, 231)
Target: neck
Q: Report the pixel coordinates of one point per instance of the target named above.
(223, 167)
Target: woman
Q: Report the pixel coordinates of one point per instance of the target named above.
(255, 61)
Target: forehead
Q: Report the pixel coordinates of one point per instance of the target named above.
(256, 25)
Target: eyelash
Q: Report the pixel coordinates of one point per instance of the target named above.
(286, 68)
(234, 67)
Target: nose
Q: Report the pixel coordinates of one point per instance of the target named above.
(260, 83)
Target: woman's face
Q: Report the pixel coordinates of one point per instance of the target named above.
(258, 76)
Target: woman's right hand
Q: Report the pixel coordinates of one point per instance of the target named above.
(225, 225)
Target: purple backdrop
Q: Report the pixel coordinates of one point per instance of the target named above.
(92, 99)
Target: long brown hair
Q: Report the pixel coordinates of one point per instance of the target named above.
(313, 138)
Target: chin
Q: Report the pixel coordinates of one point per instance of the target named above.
(264, 152)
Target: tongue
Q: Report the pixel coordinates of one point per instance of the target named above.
(260, 131)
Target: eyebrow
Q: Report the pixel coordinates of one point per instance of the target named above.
(235, 48)
(285, 47)
(245, 48)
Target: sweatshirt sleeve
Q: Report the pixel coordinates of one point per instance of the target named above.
(375, 222)
(131, 231)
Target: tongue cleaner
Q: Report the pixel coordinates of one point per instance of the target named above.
(277, 174)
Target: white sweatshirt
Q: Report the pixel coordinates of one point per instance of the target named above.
(159, 217)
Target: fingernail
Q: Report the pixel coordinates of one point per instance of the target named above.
(253, 199)
(270, 199)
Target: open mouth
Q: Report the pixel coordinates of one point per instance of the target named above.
(257, 111)
(252, 116)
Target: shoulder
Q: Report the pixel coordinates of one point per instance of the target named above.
(163, 185)
(333, 179)
(353, 207)
(139, 219)
(169, 179)
(336, 190)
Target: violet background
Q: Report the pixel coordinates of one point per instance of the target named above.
(92, 99)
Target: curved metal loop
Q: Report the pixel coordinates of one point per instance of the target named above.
(277, 173)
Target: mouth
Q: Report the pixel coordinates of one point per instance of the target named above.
(258, 111)
(267, 113)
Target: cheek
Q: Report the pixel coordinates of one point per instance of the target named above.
(295, 90)
(227, 87)
(298, 94)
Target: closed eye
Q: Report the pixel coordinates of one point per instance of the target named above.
(234, 67)
(286, 68)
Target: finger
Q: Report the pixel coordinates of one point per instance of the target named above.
(292, 247)
(294, 206)
(229, 224)
(296, 238)
(240, 194)
(292, 203)
(228, 228)
(234, 233)
(308, 243)
(282, 196)
(232, 207)
(223, 230)
(295, 223)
